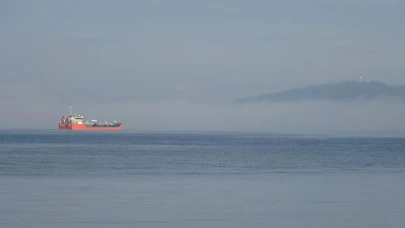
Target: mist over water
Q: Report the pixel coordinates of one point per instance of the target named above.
(126, 179)
(376, 117)
(296, 117)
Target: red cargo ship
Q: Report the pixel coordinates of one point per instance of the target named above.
(75, 123)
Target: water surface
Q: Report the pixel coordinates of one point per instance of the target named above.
(129, 179)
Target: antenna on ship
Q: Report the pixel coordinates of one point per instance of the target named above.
(71, 113)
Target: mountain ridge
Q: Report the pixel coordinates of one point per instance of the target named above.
(345, 91)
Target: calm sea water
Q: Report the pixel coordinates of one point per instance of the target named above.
(128, 179)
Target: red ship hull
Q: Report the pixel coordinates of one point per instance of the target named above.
(83, 127)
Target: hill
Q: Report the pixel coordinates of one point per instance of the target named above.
(346, 91)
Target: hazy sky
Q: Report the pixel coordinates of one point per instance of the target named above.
(93, 54)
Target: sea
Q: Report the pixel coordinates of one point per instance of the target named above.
(190, 179)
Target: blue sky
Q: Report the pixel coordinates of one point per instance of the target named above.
(110, 52)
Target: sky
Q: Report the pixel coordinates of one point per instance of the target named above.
(185, 59)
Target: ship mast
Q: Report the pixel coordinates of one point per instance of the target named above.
(71, 113)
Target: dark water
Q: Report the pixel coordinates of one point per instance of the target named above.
(126, 179)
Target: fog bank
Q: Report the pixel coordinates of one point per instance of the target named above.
(302, 117)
